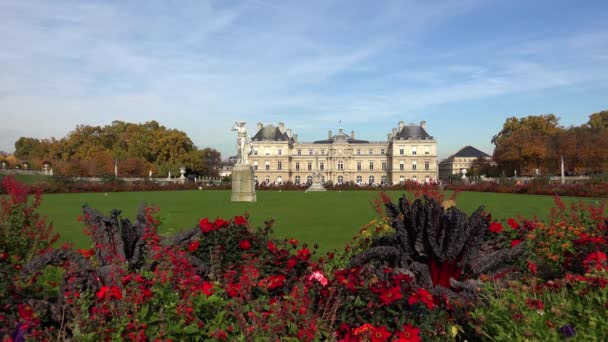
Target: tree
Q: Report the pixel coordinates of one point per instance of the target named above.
(598, 120)
(26, 148)
(545, 124)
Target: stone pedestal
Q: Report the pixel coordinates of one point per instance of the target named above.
(243, 185)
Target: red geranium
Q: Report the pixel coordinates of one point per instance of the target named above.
(272, 282)
(391, 295)
(303, 254)
(109, 292)
(233, 289)
(240, 220)
(220, 223)
(245, 244)
(409, 334)
(272, 247)
(596, 260)
(532, 267)
(207, 288)
(515, 243)
(291, 263)
(512, 223)
(193, 246)
(206, 226)
(495, 227)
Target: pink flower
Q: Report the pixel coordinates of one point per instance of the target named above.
(318, 276)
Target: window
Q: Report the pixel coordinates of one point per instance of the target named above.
(401, 166)
(358, 151)
(401, 179)
(267, 179)
(255, 166)
(279, 180)
(426, 165)
(340, 180)
(297, 166)
(255, 151)
(413, 165)
(309, 166)
(267, 166)
(414, 150)
(401, 151)
(267, 151)
(383, 166)
(255, 179)
(370, 151)
(340, 165)
(322, 179)
(371, 165)
(297, 180)
(359, 180)
(427, 149)
(414, 178)
(322, 165)
(309, 180)
(280, 152)
(322, 152)
(371, 180)
(383, 180)
(358, 166)
(382, 151)
(310, 152)
(279, 165)
(299, 152)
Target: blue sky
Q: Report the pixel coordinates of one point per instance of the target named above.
(464, 66)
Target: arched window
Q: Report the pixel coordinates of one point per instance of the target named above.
(384, 180)
(359, 180)
(340, 165)
(401, 179)
(297, 180)
(371, 180)
(340, 179)
(279, 180)
(267, 179)
(309, 180)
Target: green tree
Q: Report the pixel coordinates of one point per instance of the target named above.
(598, 120)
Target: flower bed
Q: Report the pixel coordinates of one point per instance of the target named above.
(422, 271)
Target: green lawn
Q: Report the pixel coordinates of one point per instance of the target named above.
(329, 218)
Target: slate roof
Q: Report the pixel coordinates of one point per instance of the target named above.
(470, 152)
(271, 133)
(412, 132)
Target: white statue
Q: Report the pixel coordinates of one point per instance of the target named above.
(243, 143)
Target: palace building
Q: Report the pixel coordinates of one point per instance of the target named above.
(409, 153)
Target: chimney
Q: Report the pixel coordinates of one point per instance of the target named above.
(289, 133)
(260, 125)
(352, 134)
(400, 125)
(423, 124)
(295, 137)
(282, 127)
(329, 135)
(389, 136)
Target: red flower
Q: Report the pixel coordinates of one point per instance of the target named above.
(86, 252)
(109, 292)
(240, 220)
(391, 295)
(409, 334)
(303, 254)
(291, 263)
(380, 334)
(272, 247)
(512, 223)
(495, 227)
(272, 282)
(25, 312)
(596, 260)
(422, 295)
(515, 243)
(245, 244)
(532, 267)
(207, 288)
(535, 304)
(233, 289)
(220, 223)
(193, 246)
(206, 226)
(220, 335)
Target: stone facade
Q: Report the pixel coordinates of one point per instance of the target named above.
(409, 153)
(461, 160)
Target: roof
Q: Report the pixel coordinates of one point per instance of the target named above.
(270, 133)
(341, 137)
(412, 132)
(470, 152)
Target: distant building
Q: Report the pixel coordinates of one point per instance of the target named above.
(461, 160)
(409, 153)
(226, 168)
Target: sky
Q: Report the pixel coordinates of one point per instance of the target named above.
(463, 66)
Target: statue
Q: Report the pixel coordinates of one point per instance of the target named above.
(243, 184)
(243, 143)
